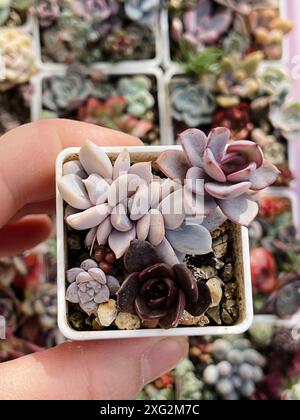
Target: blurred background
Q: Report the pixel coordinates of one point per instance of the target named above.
(153, 68)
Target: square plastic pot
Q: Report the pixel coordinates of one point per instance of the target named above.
(241, 255)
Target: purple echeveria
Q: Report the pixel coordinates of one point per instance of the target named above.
(89, 286)
(157, 291)
(202, 25)
(231, 172)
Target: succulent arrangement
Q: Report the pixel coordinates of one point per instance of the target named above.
(127, 103)
(275, 258)
(87, 32)
(260, 365)
(235, 25)
(165, 255)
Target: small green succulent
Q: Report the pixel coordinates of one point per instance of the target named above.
(286, 118)
(137, 92)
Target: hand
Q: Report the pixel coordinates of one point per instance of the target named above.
(85, 370)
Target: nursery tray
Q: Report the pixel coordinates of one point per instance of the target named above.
(37, 104)
(240, 250)
(166, 41)
(105, 65)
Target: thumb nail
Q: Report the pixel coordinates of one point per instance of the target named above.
(162, 357)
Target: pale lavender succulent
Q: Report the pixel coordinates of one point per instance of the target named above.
(122, 202)
(231, 172)
(89, 286)
(143, 11)
(202, 25)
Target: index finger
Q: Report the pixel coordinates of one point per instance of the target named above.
(28, 154)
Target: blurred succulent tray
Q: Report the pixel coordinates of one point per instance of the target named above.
(240, 258)
(169, 45)
(150, 128)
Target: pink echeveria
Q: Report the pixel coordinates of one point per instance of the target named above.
(232, 171)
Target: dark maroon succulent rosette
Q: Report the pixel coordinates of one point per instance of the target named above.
(156, 291)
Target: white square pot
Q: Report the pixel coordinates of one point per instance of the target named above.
(242, 266)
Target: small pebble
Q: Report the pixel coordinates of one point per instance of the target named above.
(211, 375)
(126, 321)
(110, 258)
(107, 313)
(107, 268)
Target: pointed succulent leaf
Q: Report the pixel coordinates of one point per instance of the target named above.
(143, 170)
(95, 161)
(90, 218)
(241, 210)
(217, 141)
(122, 164)
(173, 164)
(214, 220)
(157, 227)
(242, 175)
(166, 253)
(204, 301)
(264, 176)
(73, 273)
(88, 264)
(118, 190)
(97, 189)
(227, 191)
(103, 231)
(140, 203)
(73, 192)
(72, 293)
(74, 167)
(98, 275)
(89, 308)
(212, 167)
(140, 255)
(248, 149)
(172, 209)
(91, 237)
(103, 295)
(194, 143)
(119, 242)
(127, 293)
(171, 319)
(143, 227)
(83, 277)
(119, 219)
(186, 282)
(191, 240)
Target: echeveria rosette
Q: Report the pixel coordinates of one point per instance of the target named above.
(120, 202)
(157, 291)
(145, 12)
(89, 286)
(286, 118)
(231, 172)
(202, 25)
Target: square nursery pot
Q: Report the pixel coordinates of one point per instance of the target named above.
(240, 254)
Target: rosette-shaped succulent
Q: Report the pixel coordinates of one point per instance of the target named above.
(285, 301)
(236, 119)
(18, 59)
(47, 11)
(8, 6)
(230, 171)
(275, 82)
(137, 92)
(263, 270)
(113, 114)
(63, 94)
(286, 118)
(191, 102)
(121, 202)
(158, 291)
(89, 286)
(238, 79)
(145, 12)
(130, 43)
(202, 25)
